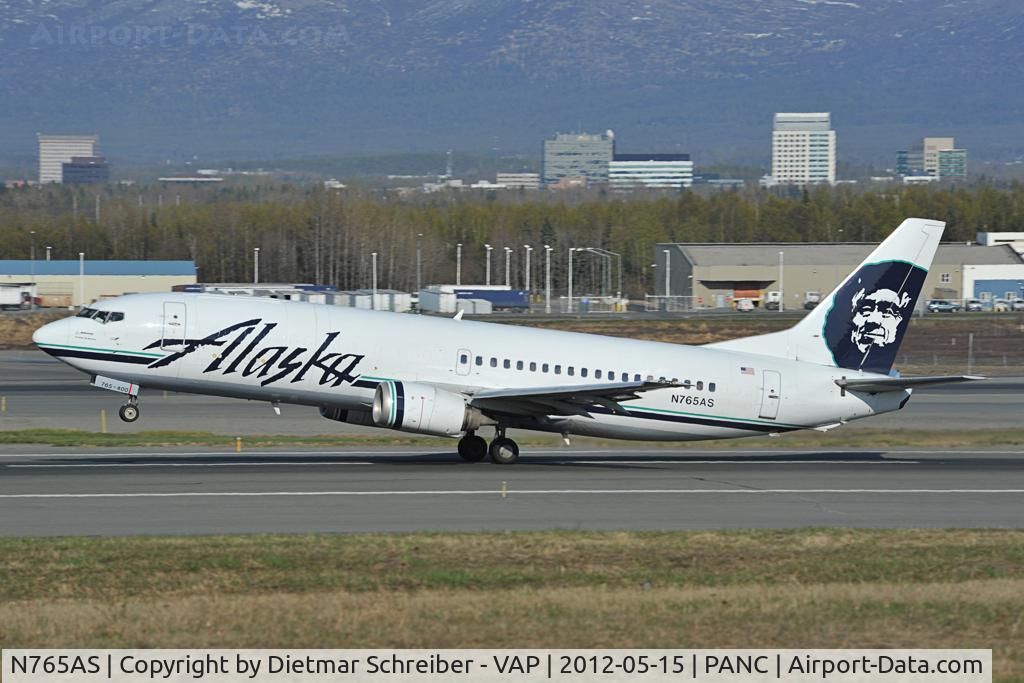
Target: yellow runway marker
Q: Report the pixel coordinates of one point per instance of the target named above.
(238, 444)
(103, 421)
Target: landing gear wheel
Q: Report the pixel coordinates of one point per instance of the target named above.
(129, 412)
(503, 451)
(472, 448)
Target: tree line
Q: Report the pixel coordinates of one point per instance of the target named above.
(327, 237)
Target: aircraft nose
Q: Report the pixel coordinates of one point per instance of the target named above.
(51, 333)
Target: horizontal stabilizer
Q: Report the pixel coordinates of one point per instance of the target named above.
(875, 385)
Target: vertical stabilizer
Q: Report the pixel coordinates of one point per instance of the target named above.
(861, 324)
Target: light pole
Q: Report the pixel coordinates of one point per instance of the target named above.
(571, 250)
(255, 265)
(373, 301)
(488, 274)
(782, 287)
(458, 263)
(668, 276)
(547, 278)
(607, 253)
(32, 258)
(508, 263)
(48, 248)
(419, 261)
(526, 269)
(81, 279)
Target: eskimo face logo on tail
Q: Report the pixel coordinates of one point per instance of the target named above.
(870, 314)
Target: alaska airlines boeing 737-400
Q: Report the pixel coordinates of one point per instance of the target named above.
(452, 377)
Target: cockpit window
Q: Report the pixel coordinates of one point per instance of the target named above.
(101, 316)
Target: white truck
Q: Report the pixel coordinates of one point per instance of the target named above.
(15, 297)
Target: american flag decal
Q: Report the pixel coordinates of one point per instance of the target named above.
(746, 371)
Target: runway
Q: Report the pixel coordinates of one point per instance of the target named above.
(52, 491)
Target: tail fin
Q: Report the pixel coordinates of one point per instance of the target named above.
(861, 324)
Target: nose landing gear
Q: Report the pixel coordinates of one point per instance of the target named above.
(129, 412)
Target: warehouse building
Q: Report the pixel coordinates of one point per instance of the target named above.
(75, 283)
(715, 275)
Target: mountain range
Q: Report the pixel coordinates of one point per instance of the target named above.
(265, 79)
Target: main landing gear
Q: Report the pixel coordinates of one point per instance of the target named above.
(502, 451)
(129, 412)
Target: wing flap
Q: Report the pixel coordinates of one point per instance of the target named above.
(564, 400)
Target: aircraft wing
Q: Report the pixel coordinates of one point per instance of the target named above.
(563, 400)
(875, 385)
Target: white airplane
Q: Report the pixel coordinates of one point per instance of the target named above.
(452, 377)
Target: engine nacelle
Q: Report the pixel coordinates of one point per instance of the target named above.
(424, 409)
(354, 417)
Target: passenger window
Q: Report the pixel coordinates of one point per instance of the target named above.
(494, 362)
(636, 377)
(479, 360)
(519, 365)
(558, 369)
(711, 386)
(533, 366)
(544, 368)
(583, 372)
(507, 364)
(650, 378)
(571, 371)
(597, 374)
(700, 385)
(463, 359)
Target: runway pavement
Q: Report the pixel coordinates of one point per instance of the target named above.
(50, 491)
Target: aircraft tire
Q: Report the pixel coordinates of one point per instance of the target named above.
(129, 412)
(503, 451)
(472, 448)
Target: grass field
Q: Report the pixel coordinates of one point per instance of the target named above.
(859, 438)
(810, 588)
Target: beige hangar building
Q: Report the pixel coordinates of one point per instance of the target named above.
(75, 283)
(715, 275)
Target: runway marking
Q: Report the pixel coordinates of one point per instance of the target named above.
(189, 464)
(546, 462)
(725, 452)
(498, 492)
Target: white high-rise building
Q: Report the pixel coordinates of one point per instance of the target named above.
(57, 150)
(803, 149)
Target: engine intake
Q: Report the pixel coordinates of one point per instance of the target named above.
(424, 409)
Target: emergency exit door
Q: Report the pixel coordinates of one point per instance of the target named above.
(771, 394)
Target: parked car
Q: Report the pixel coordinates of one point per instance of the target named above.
(1017, 305)
(1000, 305)
(942, 306)
(744, 305)
(974, 305)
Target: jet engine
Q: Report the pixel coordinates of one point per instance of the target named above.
(424, 409)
